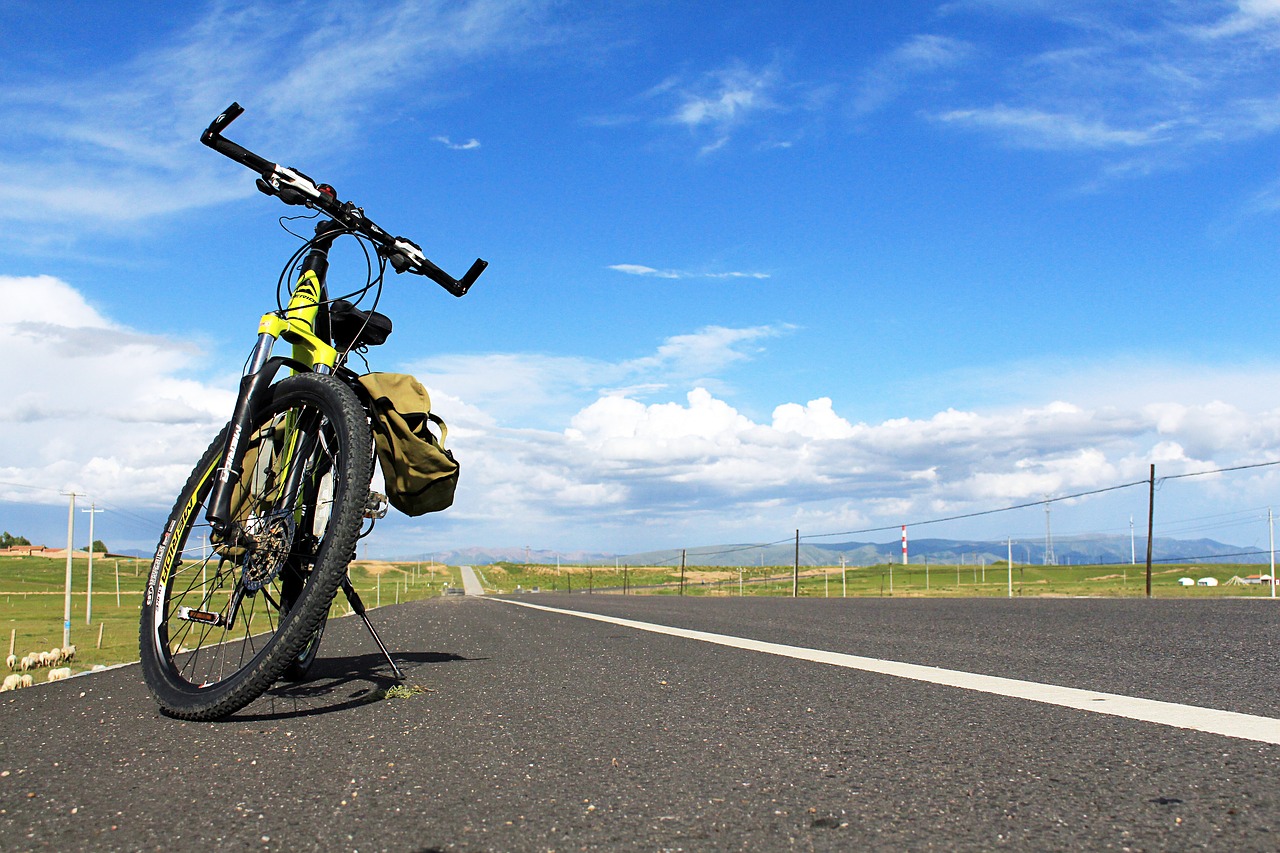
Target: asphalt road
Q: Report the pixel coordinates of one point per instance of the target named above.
(539, 731)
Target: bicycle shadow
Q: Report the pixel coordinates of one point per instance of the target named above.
(340, 684)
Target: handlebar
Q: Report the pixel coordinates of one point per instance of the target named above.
(293, 187)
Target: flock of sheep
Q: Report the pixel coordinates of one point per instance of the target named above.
(35, 660)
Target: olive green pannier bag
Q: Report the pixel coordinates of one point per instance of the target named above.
(420, 474)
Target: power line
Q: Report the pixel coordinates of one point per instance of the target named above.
(1219, 470)
(1044, 502)
(31, 487)
(977, 514)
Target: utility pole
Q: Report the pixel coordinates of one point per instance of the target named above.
(1271, 535)
(1133, 549)
(682, 555)
(88, 594)
(1010, 544)
(795, 572)
(1151, 521)
(66, 602)
(1049, 558)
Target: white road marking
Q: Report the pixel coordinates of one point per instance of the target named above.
(1229, 723)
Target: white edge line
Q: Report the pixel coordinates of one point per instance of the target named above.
(1213, 721)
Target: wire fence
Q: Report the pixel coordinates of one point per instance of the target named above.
(1079, 547)
(1155, 549)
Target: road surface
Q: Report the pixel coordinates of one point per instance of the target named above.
(471, 583)
(535, 730)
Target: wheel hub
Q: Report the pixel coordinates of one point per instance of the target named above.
(272, 538)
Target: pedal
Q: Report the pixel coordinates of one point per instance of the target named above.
(376, 506)
(203, 617)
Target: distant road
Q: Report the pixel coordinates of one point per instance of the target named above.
(471, 583)
(535, 730)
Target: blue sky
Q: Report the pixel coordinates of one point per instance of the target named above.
(754, 266)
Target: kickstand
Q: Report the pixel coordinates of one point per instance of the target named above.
(353, 598)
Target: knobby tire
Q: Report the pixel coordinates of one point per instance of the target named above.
(288, 575)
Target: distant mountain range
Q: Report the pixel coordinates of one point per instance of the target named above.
(1068, 550)
(1079, 550)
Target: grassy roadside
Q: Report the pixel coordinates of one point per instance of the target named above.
(1115, 581)
(32, 598)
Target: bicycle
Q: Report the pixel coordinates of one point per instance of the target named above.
(259, 540)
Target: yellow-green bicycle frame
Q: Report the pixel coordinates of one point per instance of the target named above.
(297, 325)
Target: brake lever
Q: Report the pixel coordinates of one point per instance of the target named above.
(398, 261)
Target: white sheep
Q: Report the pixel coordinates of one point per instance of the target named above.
(11, 682)
(27, 680)
(55, 655)
(26, 663)
(60, 674)
(69, 653)
(12, 661)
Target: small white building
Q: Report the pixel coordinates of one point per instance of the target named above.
(1186, 582)
(1207, 582)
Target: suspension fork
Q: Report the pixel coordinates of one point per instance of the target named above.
(299, 325)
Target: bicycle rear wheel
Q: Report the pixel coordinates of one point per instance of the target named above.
(222, 620)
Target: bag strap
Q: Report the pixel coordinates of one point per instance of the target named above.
(444, 430)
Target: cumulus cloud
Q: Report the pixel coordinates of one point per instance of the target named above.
(629, 453)
(545, 391)
(94, 406)
(697, 468)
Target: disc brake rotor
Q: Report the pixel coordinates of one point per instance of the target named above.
(273, 538)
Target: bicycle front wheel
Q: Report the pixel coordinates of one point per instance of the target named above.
(224, 619)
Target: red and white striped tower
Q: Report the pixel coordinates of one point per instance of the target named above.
(904, 544)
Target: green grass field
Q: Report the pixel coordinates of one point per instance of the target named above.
(32, 589)
(32, 601)
(884, 580)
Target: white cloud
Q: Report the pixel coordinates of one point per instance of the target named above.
(641, 270)
(638, 269)
(548, 450)
(817, 419)
(736, 100)
(1173, 80)
(1249, 16)
(117, 146)
(726, 97)
(469, 145)
(94, 406)
(615, 471)
(623, 470)
(1035, 128)
(890, 76)
(544, 391)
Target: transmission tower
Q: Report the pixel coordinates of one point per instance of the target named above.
(1049, 558)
